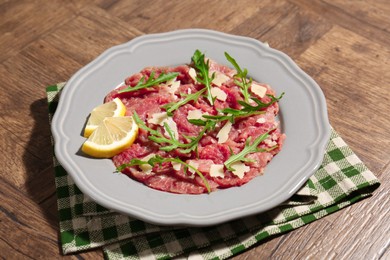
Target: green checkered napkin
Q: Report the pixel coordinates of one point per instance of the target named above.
(341, 180)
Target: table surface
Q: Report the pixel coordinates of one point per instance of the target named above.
(343, 45)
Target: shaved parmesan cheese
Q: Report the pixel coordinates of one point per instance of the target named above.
(176, 166)
(173, 126)
(173, 87)
(270, 142)
(171, 81)
(258, 90)
(219, 79)
(240, 169)
(161, 118)
(261, 120)
(223, 134)
(216, 170)
(218, 93)
(147, 168)
(193, 164)
(158, 118)
(195, 114)
(192, 74)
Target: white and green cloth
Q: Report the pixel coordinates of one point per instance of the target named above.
(341, 180)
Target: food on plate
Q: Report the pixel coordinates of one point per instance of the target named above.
(112, 108)
(112, 136)
(202, 126)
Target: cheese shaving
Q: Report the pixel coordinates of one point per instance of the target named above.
(173, 126)
(195, 114)
(192, 74)
(171, 81)
(217, 170)
(173, 87)
(193, 164)
(219, 79)
(161, 118)
(258, 90)
(176, 166)
(270, 143)
(240, 169)
(147, 168)
(223, 134)
(158, 118)
(219, 94)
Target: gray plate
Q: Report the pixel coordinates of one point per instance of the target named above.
(303, 117)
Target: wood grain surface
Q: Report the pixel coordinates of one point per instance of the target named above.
(344, 45)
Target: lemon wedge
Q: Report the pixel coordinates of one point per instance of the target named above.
(113, 108)
(112, 136)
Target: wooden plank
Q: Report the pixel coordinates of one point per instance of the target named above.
(19, 226)
(365, 18)
(352, 72)
(161, 16)
(23, 22)
(90, 34)
(20, 24)
(288, 27)
(25, 107)
(25, 230)
(18, 169)
(375, 13)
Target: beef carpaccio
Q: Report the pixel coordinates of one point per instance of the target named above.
(198, 132)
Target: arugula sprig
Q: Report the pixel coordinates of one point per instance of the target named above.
(156, 136)
(240, 78)
(170, 107)
(159, 160)
(172, 143)
(224, 114)
(249, 148)
(151, 81)
(260, 105)
(193, 145)
(231, 114)
(203, 77)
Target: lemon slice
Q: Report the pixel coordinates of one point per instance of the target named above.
(109, 109)
(112, 136)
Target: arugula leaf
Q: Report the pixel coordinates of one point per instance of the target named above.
(170, 107)
(169, 144)
(260, 104)
(159, 160)
(203, 77)
(244, 83)
(151, 81)
(193, 145)
(249, 148)
(133, 162)
(231, 114)
(158, 137)
(227, 114)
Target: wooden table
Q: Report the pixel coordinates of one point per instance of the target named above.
(343, 45)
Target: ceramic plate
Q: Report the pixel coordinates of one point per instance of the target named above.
(303, 117)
